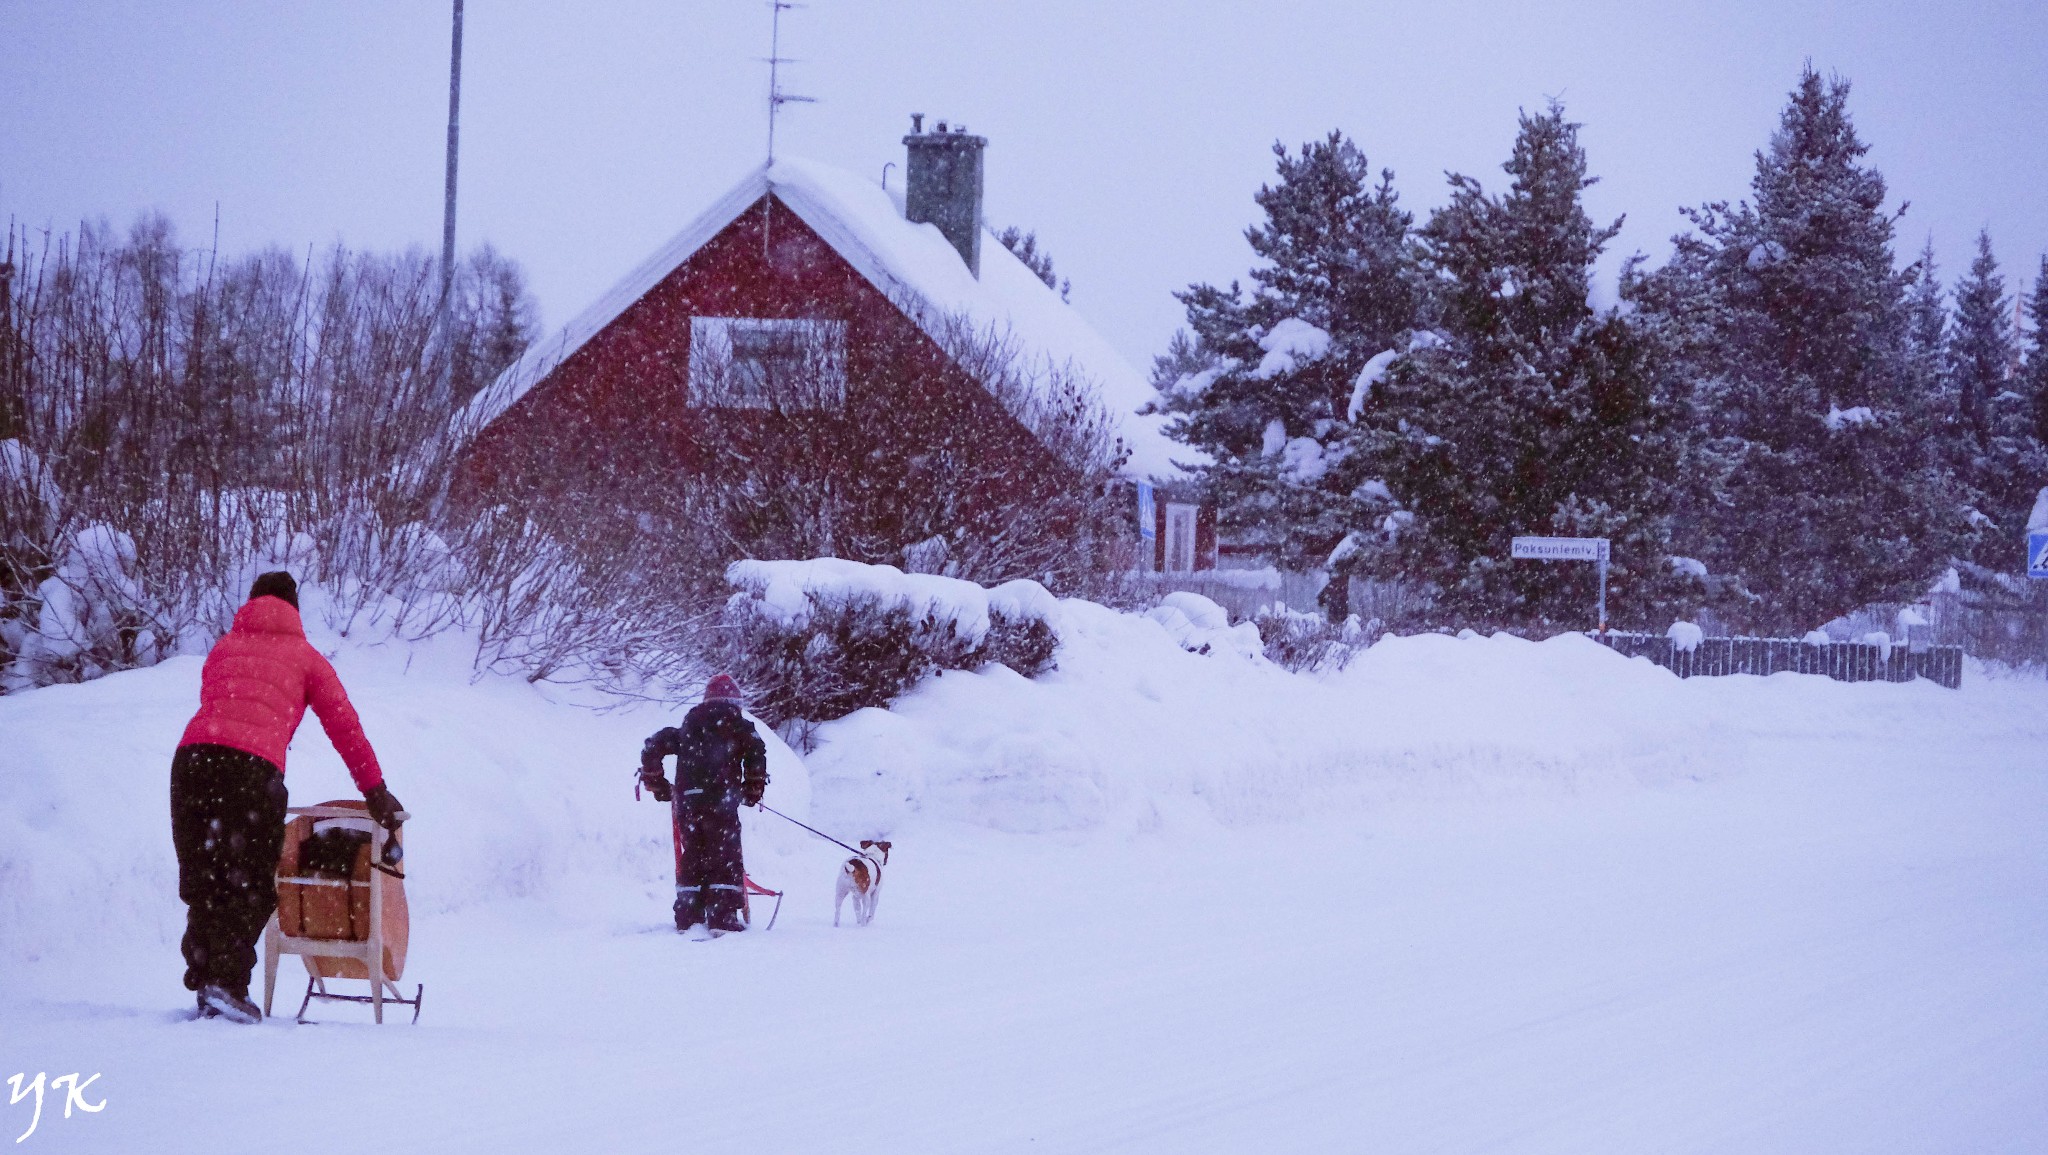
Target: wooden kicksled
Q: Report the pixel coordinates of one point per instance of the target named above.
(340, 908)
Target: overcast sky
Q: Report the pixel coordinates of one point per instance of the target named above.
(1130, 136)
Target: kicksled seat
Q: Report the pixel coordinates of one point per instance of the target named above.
(340, 908)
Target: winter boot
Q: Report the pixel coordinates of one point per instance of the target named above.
(229, 1005)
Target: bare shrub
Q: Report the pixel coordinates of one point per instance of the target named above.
(1311, 642)
(197, 418)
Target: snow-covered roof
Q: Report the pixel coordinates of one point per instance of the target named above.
(913, 265)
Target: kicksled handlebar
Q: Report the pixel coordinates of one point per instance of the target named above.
(769, 809)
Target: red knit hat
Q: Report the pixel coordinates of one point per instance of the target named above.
(723, 688)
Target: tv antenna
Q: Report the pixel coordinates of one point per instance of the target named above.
(776, 97)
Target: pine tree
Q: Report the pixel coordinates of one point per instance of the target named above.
(2034, 380)
(2001, 462)
(1262, 380)
(1822, 490)
(1526, 413)
(1981, 348)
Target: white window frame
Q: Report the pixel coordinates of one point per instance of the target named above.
(1182, 523)
(721, 378)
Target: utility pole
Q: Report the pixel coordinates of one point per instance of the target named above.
(448, 200)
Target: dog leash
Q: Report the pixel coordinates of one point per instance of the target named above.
(812, 829)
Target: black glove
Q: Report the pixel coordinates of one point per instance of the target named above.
(384, 808)
(658, 786)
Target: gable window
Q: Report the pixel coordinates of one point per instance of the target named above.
(767, 363)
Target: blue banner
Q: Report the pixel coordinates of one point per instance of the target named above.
(1148, 513)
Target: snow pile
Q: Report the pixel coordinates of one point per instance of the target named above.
(1375, 371)
(518, 791)
(1685, 636)
(524, 791)
(787, 592)
(87, 613)
(1273, 438)
(1200, 626)
(1839, 419)
(1763, 255)
(1133, 730)
(1289, 345)
(1303, 460)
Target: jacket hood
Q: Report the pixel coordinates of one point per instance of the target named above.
(269, 615)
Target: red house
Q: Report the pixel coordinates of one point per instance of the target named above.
(882, 295)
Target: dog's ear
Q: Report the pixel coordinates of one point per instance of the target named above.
(865, 843)
(884, 846)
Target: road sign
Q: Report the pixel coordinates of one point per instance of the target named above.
(2037, 554)
(1148, 513)
(1593, 549)
(1561, 548)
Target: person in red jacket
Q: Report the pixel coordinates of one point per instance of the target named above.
(227, 786)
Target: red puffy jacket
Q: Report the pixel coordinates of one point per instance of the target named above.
(257, 683)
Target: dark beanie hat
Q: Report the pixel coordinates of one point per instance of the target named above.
(276, 584)
(722, 689)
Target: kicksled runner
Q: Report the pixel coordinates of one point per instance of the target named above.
(750, 889)
(341, 908)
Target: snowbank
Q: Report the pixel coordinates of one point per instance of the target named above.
(525, 791)
(518, 791)
(1134, 730)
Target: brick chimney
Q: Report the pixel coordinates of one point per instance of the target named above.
(942, 185)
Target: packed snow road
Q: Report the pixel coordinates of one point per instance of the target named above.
(1469, 896)
(1845, 950)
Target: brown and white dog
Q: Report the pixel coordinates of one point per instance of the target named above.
(861, 877)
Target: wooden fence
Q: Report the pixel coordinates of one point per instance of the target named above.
(1842, 661)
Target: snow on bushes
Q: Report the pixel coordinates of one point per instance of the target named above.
(1308, 642)
(816, 640)
(1685, 636)
(1201, 626)
(88, 617)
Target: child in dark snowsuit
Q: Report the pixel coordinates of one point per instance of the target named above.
(721, 765)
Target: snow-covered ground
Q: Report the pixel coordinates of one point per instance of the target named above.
(1469, 895)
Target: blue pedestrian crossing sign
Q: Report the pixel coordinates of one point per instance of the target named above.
(2037, 554)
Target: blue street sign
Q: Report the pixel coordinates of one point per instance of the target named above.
(2037, 554)
(1148, 514)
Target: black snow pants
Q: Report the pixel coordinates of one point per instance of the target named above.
(227, 823)
(709, 873)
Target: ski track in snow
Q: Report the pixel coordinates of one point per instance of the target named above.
(1814, 922)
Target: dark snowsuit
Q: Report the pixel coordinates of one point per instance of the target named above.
(227, 825)
(721, 764)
